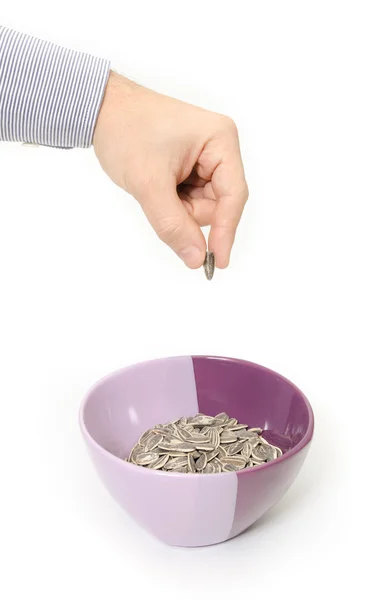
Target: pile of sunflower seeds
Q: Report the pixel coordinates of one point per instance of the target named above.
(203, 444)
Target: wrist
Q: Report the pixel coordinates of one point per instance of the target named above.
(118, 89)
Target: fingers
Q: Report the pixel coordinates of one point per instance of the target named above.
(219, 202)
(172, 222)
(195, 179)
(194, 191)
(231, 191)
(201, 210)
(225, 220)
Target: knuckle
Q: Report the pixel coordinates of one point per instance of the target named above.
(145, 186)
(224, 124)
(230, 125)
(169, 230)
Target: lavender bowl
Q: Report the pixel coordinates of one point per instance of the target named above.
(185, 509)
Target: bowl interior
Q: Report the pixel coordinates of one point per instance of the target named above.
(123, 405)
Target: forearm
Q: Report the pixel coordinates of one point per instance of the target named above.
(49, 95)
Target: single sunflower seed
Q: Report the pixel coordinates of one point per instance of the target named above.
(146, 458)
(209, 265)
(201, 462)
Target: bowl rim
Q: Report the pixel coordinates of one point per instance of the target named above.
(305, 441)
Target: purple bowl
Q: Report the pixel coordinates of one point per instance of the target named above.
(184, 509)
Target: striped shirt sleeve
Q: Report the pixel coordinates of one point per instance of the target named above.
(49, 95)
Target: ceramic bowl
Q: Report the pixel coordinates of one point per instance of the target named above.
(193, 509)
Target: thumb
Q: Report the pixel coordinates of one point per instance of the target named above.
(173, 224)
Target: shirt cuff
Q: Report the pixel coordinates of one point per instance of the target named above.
(49, 95)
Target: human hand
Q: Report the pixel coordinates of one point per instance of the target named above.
(181, 163)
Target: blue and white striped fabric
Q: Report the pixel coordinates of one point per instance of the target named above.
(49, 95)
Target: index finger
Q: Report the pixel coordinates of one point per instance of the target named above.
(231, 190)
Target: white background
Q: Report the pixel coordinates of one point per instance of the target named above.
(87, 288)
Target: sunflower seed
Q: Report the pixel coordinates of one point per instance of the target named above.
(169, 429)
(261, 453)
(221, 451)
(176, 469)
(146, 436)
(180, 447)
(152, 442)
(244, 434)
(228, 437)
(214, 438)
(136, 450)
(222, 417)
(213, 454)
(278, 452)
(198, 438)
(246, 450)
(217, 465)
(129, 457)
(146, 458)
(204, 447)
(159, 430)
(190, 463)
(201, 462)
(181, 436)
(176, 463)
(230, 422)
(187, 435)
(159, 462)
(210, 468)
(235, 448)
(229, 468)
(200, 419)
(238, 461)
(272, 453)
(175, 431)
(175, 453)
(171, 440)
(236, 427)
(209, 265)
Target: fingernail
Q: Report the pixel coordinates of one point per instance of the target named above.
(191, 256)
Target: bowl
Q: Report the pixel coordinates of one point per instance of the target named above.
(195, 509)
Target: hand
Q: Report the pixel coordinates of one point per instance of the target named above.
(182, 163)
